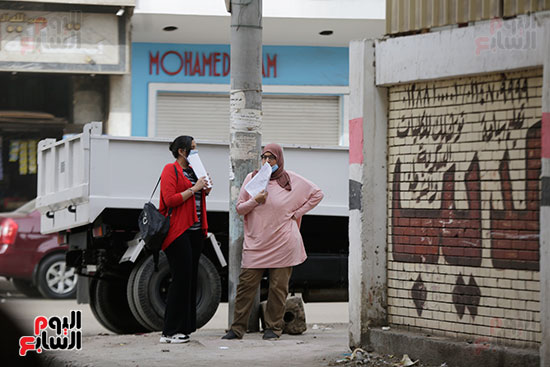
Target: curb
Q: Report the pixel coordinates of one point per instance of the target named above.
(436, 350)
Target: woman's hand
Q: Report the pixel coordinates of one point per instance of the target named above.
(208, 189)
(260, 198)
(201, 184)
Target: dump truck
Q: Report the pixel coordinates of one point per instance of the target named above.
(92, 187)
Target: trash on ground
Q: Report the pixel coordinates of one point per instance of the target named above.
(385, 328)
(224, 348)
(165, 350)
(358, 355)
(406, 361)
(444, 364)
(317, 327)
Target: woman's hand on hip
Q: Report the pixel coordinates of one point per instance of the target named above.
(261, 197)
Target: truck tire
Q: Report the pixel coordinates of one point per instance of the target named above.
(26, 287)
(110, 306)
(150, 289)
(130, 297)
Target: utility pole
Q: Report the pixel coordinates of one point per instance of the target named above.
(245, 124)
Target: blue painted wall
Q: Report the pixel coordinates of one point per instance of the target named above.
(296, 65)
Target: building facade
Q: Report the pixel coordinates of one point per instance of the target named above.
(181, 70)
(462, 252)
(63, 64)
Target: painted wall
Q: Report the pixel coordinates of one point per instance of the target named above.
(463, 204)
(209, 64)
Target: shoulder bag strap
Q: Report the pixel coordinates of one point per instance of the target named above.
(153, 193)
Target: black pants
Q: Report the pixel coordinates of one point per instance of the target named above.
(181, 304)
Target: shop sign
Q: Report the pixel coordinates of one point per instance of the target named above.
(62, 41)
(191, 63)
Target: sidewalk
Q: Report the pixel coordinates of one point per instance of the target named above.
(320, 345)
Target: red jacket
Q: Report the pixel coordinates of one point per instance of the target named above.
(184, 213)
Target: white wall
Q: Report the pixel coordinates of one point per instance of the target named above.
(331, 9)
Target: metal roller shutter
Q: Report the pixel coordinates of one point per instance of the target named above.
(304, 120)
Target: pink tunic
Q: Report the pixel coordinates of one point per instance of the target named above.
(272, 238)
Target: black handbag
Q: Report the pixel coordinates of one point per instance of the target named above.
(153, 226)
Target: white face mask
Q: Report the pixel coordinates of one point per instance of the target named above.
(194, 151)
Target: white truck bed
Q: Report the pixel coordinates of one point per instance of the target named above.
(80, 176)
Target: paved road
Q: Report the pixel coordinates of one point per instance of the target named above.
(24, 310)
(325, 339)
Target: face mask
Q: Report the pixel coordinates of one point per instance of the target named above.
(194, 151)
(274, 168)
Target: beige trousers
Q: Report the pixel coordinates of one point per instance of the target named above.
(249, 280)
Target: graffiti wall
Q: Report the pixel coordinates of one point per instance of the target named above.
(463, 206)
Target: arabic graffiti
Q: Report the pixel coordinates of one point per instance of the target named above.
(419, 294)
(419, 234)
(466, 296)
(69, 334)
(515, 233)
(464, 158)
(431, 215)
(473, 92)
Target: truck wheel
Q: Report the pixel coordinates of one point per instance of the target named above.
(56, 280)
(110, 306)
(130, 298)
(150, 290)
(26, 287)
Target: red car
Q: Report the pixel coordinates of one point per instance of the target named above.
(34, 262)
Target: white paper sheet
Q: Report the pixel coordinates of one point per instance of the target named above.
(260, 181)
(195, 162)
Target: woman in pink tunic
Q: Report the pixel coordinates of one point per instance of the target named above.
(272, 240)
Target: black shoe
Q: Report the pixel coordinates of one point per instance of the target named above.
(231, 335)
(269, 335)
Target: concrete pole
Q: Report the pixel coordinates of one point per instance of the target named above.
(119, 118)
(368, 191)
(245, 123)
(544, 19)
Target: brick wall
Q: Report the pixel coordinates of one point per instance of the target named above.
(463, 207)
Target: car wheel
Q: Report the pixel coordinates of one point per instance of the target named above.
(150, 289)
(110, 307)
(26, 287)
(56, 280)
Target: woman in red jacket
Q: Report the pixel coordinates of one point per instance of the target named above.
(184, 193)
